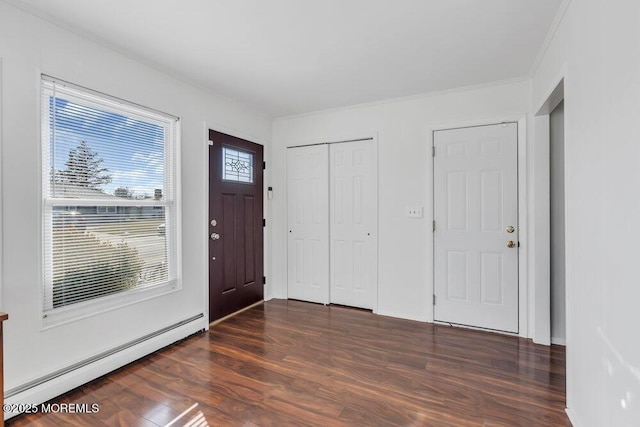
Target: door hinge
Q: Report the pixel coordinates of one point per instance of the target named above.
(264, 165)
(434, 225)
(433, 151)
(264, 280)
(210, 142)
(434, 299)
(264, 222)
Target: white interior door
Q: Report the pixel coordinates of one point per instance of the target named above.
(475, 213)
(308, 212)
(353, 224)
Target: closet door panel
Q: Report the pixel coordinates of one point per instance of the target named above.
(308, 223)
(353, 224)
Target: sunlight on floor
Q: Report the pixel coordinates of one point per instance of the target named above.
(188, 419)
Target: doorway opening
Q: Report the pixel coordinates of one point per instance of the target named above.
(557, 224)
(548, 270)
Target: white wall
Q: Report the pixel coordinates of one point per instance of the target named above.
(405, 280)
(29, 46)
(597, 49)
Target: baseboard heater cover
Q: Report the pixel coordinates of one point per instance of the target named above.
(39, 381)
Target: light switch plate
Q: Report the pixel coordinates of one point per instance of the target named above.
(413, 212)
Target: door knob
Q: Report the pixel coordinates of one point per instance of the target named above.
(511, 244)
(510, 229)
(215, 236)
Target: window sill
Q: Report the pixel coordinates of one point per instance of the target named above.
(83, 310)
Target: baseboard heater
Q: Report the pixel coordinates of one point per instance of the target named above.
(83, 363)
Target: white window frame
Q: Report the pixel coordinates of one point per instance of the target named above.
(53, 317)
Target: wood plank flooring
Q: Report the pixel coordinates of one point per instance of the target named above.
(293, 363)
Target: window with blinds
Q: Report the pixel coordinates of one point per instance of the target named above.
(109, 197)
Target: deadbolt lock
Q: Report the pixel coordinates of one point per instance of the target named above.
(510, 229)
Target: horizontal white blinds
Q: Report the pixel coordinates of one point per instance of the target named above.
(109, 190)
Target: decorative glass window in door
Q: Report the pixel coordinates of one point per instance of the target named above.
(237, 165)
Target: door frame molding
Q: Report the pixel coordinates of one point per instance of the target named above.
(524, 297)
(337, 139)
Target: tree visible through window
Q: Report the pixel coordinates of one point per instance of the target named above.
(109, 196)
(84, 168)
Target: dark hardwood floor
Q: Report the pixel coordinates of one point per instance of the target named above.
(294, 363)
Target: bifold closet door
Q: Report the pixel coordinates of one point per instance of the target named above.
(308, 221)
(332, 217)
(353, 224)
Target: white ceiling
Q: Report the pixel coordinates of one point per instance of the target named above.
(285, 57)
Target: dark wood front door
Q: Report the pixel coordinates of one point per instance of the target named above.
(235, 224)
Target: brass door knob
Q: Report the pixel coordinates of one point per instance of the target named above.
(510, 229)
(511, 244)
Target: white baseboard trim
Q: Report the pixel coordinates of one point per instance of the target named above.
(573, 418)
(58, 385)
(558, 341)
(399, 315)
